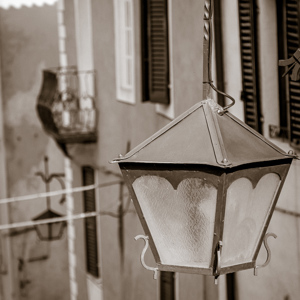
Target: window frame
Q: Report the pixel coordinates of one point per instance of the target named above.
(125, 51)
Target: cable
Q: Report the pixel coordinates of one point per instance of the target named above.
(59, 192)
(51, 220)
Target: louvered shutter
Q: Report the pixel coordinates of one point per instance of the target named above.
(249, 61)
(292, 44)
(167, 286)
(155, 51)
(90, 223)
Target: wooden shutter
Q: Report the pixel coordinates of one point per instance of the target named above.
(155, 51)
(282, 81)
(167, 286)
(249, 59)
(90, 223)
(292, 43)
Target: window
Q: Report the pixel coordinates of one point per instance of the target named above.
(155, 51)
(88, 178)
(124, 47)
(249, 56)
(288, 24)
(167, 286)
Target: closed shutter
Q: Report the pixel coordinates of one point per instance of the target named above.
(90, 223)
(282, 80)
(167, 286)
(249, 60)
(155, 51)
(292, 44)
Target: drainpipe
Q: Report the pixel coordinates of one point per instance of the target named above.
(63, 60)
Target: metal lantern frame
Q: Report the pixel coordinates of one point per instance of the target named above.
(221, 180)
(224, 161)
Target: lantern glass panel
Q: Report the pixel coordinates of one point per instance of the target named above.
(43, 231)
(50, 231)
(246, 212)
(181, 221)
(56, 230)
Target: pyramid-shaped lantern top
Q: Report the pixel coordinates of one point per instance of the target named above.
(203, 135)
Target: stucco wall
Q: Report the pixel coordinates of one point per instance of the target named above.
(28, 45)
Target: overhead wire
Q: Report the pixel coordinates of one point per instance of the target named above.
(63, 218)
(58, 192)
(49, 220)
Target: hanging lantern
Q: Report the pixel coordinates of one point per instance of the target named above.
(49, 231)
(205, 188)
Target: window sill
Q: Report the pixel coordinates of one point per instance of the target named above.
(167, 111)
(126, 101)
(95, 288)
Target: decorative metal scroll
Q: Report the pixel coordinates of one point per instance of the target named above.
(66, 105)
(293, 64)
(268, 252)
(146, 239)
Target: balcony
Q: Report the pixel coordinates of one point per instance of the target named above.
(66, 105)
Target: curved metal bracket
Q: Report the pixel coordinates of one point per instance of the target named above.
(294, 65)
(268, 252)
(146, 239)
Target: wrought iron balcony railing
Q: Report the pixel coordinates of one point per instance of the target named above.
(66, 105)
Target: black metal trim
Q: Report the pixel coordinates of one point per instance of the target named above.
(219, 49)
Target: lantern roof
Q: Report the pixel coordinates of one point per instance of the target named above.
(205, 134)
(48, 214)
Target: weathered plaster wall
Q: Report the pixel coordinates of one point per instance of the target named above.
(5, 245)
(231, 52)
(187, 43)
(28, 45)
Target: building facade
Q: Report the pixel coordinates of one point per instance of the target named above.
(131, 67)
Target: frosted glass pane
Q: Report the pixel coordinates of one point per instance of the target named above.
(181, 221)
(51, 230)
(245, 216)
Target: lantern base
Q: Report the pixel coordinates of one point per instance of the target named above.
(217, 272)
